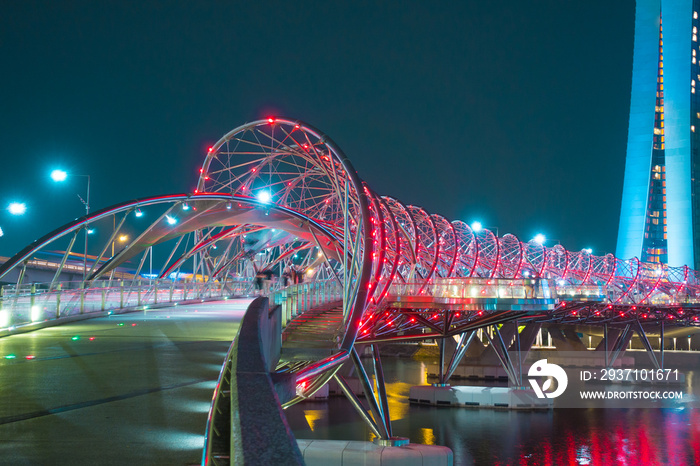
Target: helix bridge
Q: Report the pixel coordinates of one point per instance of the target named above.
(279, 196)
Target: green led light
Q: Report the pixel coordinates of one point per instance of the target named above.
(76, 338)
(121, 324)
(10, 356)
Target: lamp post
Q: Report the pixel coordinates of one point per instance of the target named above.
(60, 176)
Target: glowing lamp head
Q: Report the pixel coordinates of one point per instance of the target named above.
(477, 227)
(123, 238)
(588, 250)
(17, 208)
(138, 213)
(539, 238)
(170, 220)
(185, 206)
(59, 175)
(270, 120)
(264, 196)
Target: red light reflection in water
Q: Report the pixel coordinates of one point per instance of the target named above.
(695, 435)
(674, 445)
(630, 438)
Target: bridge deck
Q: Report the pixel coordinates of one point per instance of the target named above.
(314, 334)
(133, 389)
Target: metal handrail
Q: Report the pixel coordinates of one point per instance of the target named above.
(37, 303)
(220, 397)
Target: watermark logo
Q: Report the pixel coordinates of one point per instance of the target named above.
(542, 369)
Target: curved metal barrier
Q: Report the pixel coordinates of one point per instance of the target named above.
(246, 423)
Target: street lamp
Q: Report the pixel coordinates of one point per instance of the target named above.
(60, 176)
(17, 208)
(477, 227)
(264, 196)
(542, 239)
(122, 239)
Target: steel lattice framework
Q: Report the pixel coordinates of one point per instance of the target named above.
(297, 167)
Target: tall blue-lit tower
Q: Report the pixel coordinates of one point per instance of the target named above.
(660, 217)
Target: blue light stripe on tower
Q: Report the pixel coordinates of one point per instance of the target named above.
(677, 20)
(635, 191)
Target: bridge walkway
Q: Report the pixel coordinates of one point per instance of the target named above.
(125, 389)
(313, 334)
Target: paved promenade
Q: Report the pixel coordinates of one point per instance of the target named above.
(126, 389)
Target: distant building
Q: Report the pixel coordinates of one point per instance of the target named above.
(660, 218)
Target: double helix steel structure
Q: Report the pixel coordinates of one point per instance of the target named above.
(278, 195)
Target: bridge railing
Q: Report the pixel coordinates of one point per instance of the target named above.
(495, 288)
(463, 288)
(578, 292)
(299, 298)
(39, 303)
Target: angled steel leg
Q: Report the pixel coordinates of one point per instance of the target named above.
(441, 373)
(172, 252)
(504, 351)
(645, 341)
(109, 242)
(500, 348)
(464, 341)
(381, 389)
(63, 261)
(357, 404)
(662, 344)
(20, 278)
(621, 343)
(369, 394)
(520, 356)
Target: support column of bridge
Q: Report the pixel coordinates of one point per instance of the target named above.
(385, 449)
(614, 342)
(523, 343)
(485, 362)
(566, 339)
(647, 346)
(504, 342)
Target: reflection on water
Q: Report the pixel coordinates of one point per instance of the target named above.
(396, 397)
(312, 416)
(494, 437)
(428, 437)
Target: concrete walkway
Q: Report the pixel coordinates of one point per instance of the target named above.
(127, 389)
